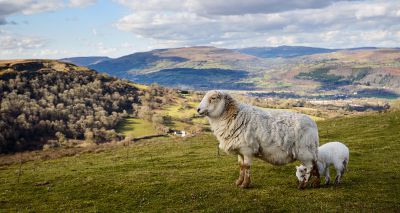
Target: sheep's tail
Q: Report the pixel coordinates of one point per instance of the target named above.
(346, 161)
(344, 167)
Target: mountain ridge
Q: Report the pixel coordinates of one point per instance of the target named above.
(85, 60)
(294, 69)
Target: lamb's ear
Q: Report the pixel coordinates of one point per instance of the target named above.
(297, 168)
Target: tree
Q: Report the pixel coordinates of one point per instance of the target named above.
(61, 138)
(89, 136)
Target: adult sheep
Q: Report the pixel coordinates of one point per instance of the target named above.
(274, 136)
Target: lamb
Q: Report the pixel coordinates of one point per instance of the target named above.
(334, 153)
(277, 137)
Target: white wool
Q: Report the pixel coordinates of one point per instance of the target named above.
(278, 137)
(332, 153)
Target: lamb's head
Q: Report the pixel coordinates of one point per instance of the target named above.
(215, 103)
(301, 172)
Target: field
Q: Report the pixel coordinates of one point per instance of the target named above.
(181, 175)
(136, 127)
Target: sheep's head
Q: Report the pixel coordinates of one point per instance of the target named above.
(213, 103)
(301, 172)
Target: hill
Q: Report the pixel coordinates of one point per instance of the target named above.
(172, 174)
(85, 61)
(198, 61)
(199, 57)
(357, 72)
(283, 51)
(42, 100)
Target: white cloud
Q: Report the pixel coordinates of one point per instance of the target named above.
(260, 22)
(368, 11)
(32, 7)
(10, 41)
(374, 35)
(29, 7)
(46, 53)
(81, 3)
(281, 40)
(223, 7)
(102, 49)
(20, 46)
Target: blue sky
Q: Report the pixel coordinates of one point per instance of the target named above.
(66, 28)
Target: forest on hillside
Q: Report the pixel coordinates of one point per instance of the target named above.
(46, 104)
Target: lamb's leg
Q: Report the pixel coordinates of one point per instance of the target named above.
(246, 167)
(327, 176)
(339, 172)
(343, 168)
(239, 181)
(337, 179)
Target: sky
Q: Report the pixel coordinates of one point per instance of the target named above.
(68, 28)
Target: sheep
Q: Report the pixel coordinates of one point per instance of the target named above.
(275, 136)
(335, 153)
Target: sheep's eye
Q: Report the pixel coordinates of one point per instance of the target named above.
(213, 98)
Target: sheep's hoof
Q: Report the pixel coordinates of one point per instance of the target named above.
(337, 181)
(239, 182)
(316, 183)
(245, 185)
(302, 185)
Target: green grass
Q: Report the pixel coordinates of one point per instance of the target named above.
(139, 86)
(175, 111)
(315, 118)
(171, 174)
(136, 127)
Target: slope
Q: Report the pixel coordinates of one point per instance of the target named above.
(47, 99)
(196, 60)
(187, 175)
(85, 61)
(283, 51)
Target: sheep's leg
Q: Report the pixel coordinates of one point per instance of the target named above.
(246, 166)
(239, 181)
(315, 173)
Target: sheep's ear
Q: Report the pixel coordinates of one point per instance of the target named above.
(297, 168)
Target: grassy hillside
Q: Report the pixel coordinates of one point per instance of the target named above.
(173, 174)
(201, 79)
(135, 127)
(179, 66)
